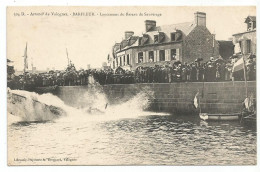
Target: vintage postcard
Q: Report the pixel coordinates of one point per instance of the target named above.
(131, 85)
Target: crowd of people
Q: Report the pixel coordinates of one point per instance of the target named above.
(197, 71)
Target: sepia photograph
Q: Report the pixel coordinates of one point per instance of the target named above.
(132, 85)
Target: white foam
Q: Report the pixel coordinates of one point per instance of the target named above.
(95, 106)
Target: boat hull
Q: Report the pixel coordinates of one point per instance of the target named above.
(220, 117)
(17, 101)
(249, 117)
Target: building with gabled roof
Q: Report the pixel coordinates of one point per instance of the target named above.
(247, 39)
(251, 22)
(166, 44)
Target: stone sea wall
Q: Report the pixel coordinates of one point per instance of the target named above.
(215, 97)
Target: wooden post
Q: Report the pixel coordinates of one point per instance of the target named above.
(245, 76)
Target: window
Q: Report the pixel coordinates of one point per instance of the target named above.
(114, 65)
(156, 38)
(240, 46)
(249, 26)
(173, 37)
(124, 62)
(117, 61)
(254, 25)
(144, 39)
(139, 41)
(140, 57)
(162, 55)
(128, 59)
(151, 56)
(248, 46)
(178, 36)
(120, 61)
(173, 54)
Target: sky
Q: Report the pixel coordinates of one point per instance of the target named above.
(89, 39)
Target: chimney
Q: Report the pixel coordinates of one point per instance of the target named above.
(149, 24)
(128, 34)
(200, 18)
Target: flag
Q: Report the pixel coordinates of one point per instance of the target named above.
(248, 103)
(239, 65)
(195, 101)
(25, 58)
(237, 48)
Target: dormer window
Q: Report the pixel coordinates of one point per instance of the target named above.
(173, 36)
(251, 22)
(139, 41)
(176, 36)
(249, 26)
(145, 39)
(156, 38)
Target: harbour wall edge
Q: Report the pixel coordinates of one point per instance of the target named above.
(214, 97)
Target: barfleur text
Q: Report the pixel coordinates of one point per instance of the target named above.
(64, 14)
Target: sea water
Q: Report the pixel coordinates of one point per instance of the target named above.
(121, 134)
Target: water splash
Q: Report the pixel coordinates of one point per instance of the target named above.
(94, 106)
(97, 108)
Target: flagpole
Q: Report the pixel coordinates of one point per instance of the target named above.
(245, 76)
(239, 49)
(68, 57)
(25, 59)
(25, 65)
(199, 105)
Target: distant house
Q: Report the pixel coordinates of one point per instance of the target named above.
(166, 44)
(105, 66)
(10, 69)
(226, 49)
(247, 39)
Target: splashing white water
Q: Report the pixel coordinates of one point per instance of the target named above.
(96, 107)
(133, 108)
